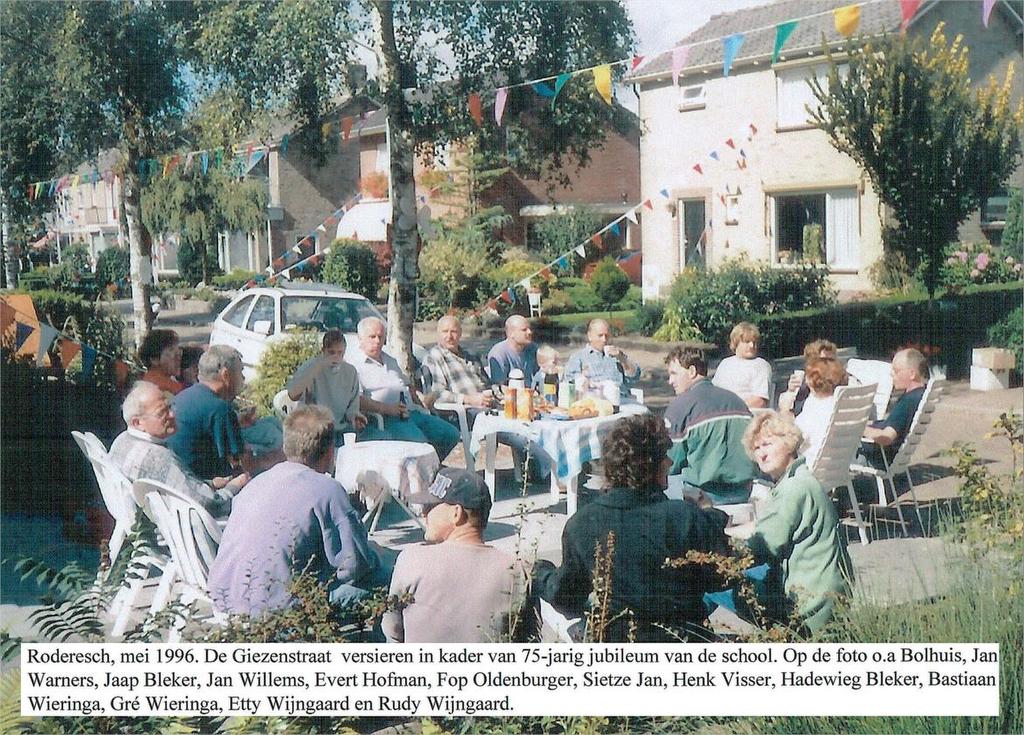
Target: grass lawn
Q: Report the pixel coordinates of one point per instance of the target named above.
(628, 317)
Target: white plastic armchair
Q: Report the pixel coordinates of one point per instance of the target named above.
(459, 410)
(116, 495)
(877, 373)
(283, 403)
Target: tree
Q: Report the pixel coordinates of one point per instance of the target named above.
(353, 266)
(560, 232)
(198, 206)
(609, 283)
(1013, 233)
(933, 148)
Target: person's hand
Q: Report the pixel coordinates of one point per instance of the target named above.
(787, 401)
(480, 400)
(218, 482)
(794, 382)
(398, 410)
(613, 351)
(238, 482)
(359, 422)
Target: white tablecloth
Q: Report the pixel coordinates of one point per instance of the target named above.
(368, 468)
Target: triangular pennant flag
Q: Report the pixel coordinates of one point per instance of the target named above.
(346, 128)
(679, 57)
(738, 192)
(22, 333)
(499, 105)
(637, 61)
(847, 18)
(75, 180)
(47, 334)
(698, 169)
(284, 143)
(321, 227)
(986, 11)
(648, 204)
(325, 131)
(631, 216)
(724, 599)
(782, 32)
(88, 361)
(603, 82)
(512, 296)
(615, 228)
(542, 89)
(315, 260)
(505, 297)
(596, 239)
(907, 10)
(248, 152)
(475, 109)
(68, 351)
(7, 315)
(563, 262)
(120, 373)
(714, 154)
(188, 163)
(327, 251)
(257, 157)
(730, 48)
(204, 161)
(560, 81)
(664, 193)
(728, 142)
(581, 250)
(218, 158)
(525, 283)
(545, 272)
(298, 245)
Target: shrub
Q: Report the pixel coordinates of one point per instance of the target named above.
(1008, 333)
(452, 274)
(190, 262)
(516, 267)
(609, 282)
(892, 273)
(582, 295)
(278, 364)
(558, 301)
(1013, 234)
(649, 317)
(76, 256)
(713, 301)
(113, 267)
(967, 264)
(633, 299)
(352, 266)
(559, 233)
(234, 280)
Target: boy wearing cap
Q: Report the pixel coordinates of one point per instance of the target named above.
(463, 590)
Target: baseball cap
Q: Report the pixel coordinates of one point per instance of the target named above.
(455, 486)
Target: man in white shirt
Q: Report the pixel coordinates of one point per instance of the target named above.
(386, 391)
(744, 373)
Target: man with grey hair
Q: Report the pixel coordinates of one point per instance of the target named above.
(600, 360)
(294, 519)
(516, 351)
(910, 375)
(209, 440)
(386, 390)
(142, 454)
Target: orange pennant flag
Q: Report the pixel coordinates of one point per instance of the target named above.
(476, 109)
(647, 203)
(346, 128)
(68, 350)
(121, 372)
(596, 239)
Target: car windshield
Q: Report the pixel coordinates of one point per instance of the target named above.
(325, 312)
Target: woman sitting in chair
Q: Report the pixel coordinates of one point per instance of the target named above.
(823, 377)
(797, 530)
(628, 532)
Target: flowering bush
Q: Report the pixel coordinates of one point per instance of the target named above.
(967, 264)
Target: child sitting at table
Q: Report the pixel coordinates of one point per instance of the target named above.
(550, 368)
(744, 373)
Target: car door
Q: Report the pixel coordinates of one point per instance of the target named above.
(259, 326)
(229, 327)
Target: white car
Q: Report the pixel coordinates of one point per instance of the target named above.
(258, 316)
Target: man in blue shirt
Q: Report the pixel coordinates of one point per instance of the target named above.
(910, 375)
(600, 360)
(517, 350)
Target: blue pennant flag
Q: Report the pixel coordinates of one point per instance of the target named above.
(664, 193)
(23, 332)
(726, 599)
(615, 228)
(88, 361)
(714, 154)
(257, 156)
(563, 262)
(730, 48)
(543, 89)
(205, 161)
(284, 143)
(559, 83)
(512, 296)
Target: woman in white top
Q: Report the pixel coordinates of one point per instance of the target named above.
(823, 377)
(746, 374)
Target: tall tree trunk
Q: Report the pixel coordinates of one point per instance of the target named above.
(140, 255)
(11, 264)
(404, 234)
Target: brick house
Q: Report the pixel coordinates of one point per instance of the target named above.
(791, 186)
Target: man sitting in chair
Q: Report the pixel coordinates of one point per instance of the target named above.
(327, 380)
(452, 374)
(141, 454)
(909, 374)
(600, 360)
(707, 424)
(464, 590)
(293, 519)
(387, 391)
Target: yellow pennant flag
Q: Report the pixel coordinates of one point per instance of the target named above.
(603, 81)
(847, 19)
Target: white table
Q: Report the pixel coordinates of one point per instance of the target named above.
(380, 471)
(570, 444)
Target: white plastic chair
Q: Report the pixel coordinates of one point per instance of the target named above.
(901, 462)
(460, 411)
(192, 535)
(877, 373)
(283, 404)
(555, 621)
(116, 497)
(831, 464)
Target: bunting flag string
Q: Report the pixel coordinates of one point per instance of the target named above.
(907, 10)
(986, 11)
(847, 18)
(782, 33)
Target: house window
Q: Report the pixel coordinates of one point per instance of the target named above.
(993, 209)
(383, 159)
(692, 97)
(794, 95)
(732, 209)
(818, 227)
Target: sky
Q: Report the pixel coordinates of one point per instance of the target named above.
(660, 24)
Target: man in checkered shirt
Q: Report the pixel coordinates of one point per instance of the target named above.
(453, 375)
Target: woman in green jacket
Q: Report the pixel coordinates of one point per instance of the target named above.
(797, 532)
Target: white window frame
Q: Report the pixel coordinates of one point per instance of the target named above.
(796, 80)
(836, 198)
(693, 97)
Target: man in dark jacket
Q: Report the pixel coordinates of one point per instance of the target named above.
(617, 546)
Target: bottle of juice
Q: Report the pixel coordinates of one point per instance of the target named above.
(510, 403)
(524, 398)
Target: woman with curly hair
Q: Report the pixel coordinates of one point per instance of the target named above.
(634, 523)
(797, 532)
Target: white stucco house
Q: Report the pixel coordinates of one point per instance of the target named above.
(766, 176)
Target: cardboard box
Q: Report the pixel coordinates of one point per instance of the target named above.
(993, 358)
(983, 378)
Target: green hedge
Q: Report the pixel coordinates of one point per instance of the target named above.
(947, 330)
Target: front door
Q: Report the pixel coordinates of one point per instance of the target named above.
(693, 237)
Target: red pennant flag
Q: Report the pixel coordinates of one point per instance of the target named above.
(721, 198)
(120, 373)
(6, 316)
(545, 272)
(647, 203)
(331, 221)
(346, 128)
(248, 153)
(315, 260)
(698, 169)
(277, 262)
(505, 297)
(729, 143)
(753, 129)
(596, 239)
(68, 350)
(475, 108)
(637, 61)
(907, 9)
